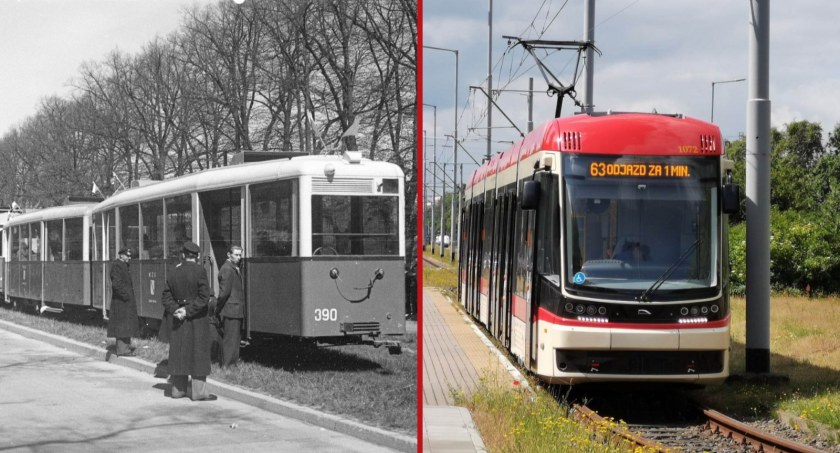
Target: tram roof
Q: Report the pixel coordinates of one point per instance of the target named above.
(54, 213)
(250, 173)
(647, 134)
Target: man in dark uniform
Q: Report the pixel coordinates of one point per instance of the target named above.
(123, 322)
(186, 296)
(231, 305)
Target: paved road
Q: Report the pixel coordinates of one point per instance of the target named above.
(55, 400)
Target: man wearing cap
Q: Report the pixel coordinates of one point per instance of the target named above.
(231, 305)
(122, 322)
(186, 296)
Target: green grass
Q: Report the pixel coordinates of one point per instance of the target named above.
(512, 420)
(355, 381)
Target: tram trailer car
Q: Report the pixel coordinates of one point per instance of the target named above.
(596, 249)
(323, 238)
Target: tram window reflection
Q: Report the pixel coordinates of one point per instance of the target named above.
(152, 246)
(178, 224)
(129, 227)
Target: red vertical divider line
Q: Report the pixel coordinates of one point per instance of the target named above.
(420, 239)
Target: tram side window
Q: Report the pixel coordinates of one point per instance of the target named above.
(222, 214)
(55, 232)
(355, 225)
(74, 239)
(178, 224)
(34, 242)
(111, 231)
(273, 219)
(14, 241)
(95, 243)
(548, 244)
(152, 243)
(129, 227)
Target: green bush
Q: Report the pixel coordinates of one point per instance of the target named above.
(804, 253)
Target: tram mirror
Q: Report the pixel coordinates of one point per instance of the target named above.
(530, 195)
(731, 198)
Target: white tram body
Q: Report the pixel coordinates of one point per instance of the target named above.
(323, 239)
(617, 270)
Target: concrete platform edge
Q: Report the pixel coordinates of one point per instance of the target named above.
(332, 422)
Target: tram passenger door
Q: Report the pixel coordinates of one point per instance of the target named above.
(220, 226)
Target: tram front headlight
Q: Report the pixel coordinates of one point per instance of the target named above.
(329, 171)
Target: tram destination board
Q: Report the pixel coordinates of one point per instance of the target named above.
(600, 169)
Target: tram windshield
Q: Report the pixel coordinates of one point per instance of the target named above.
(355, 225)
(633, 221)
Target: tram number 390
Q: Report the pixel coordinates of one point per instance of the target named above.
(326, 314)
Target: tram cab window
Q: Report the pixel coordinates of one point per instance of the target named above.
(274, 219)
(355, 225)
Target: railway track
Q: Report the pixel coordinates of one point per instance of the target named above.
(715, 432)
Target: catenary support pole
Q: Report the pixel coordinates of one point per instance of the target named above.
(589, 63)
(758, 191)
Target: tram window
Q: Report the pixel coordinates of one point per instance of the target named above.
(14, 240)
(55, 231)
(95, 237)
(355, 225)
(548, 245)
(74, 239)
(222, 214)
(152, 243)
(273, 219)
(129, 227)
(34, 242)
(111, 231)
(178, 224)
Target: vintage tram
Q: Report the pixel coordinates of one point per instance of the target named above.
(323, 240)
(596, 249)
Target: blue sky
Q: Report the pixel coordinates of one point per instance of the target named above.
(44, 42)
(655, 55)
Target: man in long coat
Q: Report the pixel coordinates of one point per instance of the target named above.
(231, 305)
(123, 321)
(186, 296)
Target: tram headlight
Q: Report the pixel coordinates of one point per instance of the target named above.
(591, 310)
(333, 273)
(602, 311)
(329, 171)
(715, 308)
(694, 311)
(580, 309)
(684, 311)
(704, 310)
(570, 307)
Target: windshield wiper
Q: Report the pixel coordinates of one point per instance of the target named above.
(645, 296)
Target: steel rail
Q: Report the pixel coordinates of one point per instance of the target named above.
(760, 441)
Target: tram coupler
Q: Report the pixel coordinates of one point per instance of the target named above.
(394, 347)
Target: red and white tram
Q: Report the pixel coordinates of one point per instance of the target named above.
(596, 249)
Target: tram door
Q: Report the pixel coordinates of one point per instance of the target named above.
(220, 226)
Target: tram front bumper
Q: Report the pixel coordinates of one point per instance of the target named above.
(580, 354)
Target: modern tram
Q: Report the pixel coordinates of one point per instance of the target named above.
(323, 239)
(596, 249)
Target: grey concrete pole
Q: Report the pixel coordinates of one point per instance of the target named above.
(489, 78)
(758, 191)
(442, 205)
(589, 62)
(530, 104)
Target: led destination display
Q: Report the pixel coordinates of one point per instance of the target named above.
(638, 169)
